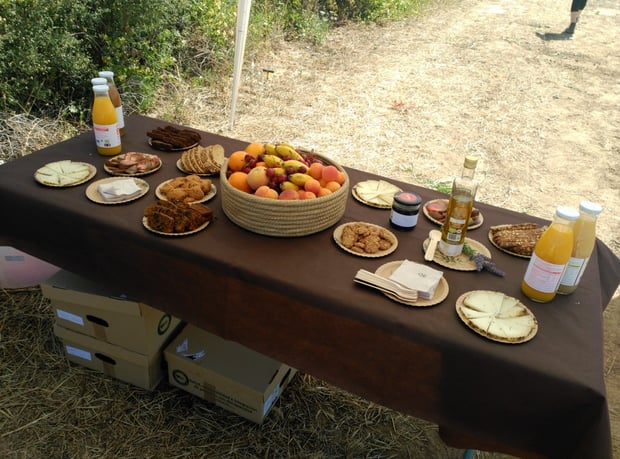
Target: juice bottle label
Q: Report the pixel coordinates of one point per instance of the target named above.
(574, 271)
(542, 275)
(107, 135)
(119, 117)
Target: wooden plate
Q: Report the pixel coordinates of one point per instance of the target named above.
(460, 262)
(206, 197)
(481, 322)
(92, 171)
(381, 253)
(441, 292)
(127, 174)
(93, 194)
(478, 223)
(161, 233)
(378, 203)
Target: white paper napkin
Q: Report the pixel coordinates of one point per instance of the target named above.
(119, 190)
(418, 277)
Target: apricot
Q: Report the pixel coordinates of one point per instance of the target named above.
(312, 185)
(315, 170)
(330, 173)
(288, 194)
(265, 192)
(324, 192)
(332, 186)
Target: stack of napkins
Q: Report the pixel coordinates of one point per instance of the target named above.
(119, 190)
(418, 277)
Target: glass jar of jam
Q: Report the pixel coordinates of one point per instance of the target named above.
(405, 209)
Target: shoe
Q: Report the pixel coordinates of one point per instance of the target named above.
(570, 30)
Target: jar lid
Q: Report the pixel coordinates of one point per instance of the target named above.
(407, 198)
(567, 213)
(590, 207)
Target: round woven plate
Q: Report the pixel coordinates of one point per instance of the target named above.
(157, 147)
(93, 194)
(92, 171)
(480, 331)
(441, 292)
(161, 233)
(206, 197)
(377, 205)
(137, 174)
(478, 224)
(381, 253)
(460, 262)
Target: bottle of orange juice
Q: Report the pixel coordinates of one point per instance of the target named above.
(585, 238)
(551, 255)
(115, 97)
(105, 123)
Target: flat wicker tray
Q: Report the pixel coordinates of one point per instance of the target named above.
(277, 218)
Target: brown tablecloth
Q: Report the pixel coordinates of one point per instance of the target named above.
(295, 300)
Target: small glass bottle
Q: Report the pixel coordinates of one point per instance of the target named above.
(584, 240)
(107, 136)
(116, 99)
(461, 201)
(405, 209)
(550, 257)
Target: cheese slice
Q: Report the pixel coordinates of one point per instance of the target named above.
(62, 173)
(378, 192)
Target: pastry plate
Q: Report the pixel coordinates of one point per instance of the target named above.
(93, 194)
(158, 147)
(381, 253)
(460, 304)
(206, 197)
(201, 174)
(161, 233)
(92, 172)
(478, 223)
(460, 262)
(378, 183)
(128, 174)
(441, 292)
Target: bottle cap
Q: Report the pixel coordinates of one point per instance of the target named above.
(567, 213)
(590, 207)
(106, 74)
(471, 162)
(97, 81)
(100, 87)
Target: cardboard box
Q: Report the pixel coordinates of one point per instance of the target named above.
(87, 307)
(141, 370)
(226, 373)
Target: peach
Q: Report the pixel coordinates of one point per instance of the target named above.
(288, 194)
(257, 177)
(341, 177)
(330, 173)
(264, 191)
(312, 185)
(324, 192)
(306, 194)
(332, 186)
(315, 170)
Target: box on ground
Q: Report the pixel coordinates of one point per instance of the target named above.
(141, 370)
(19, 270)
(226, 373)
(89, 308)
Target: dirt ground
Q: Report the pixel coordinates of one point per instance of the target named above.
(410, 99)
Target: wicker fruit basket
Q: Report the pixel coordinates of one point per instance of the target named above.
(283, 218)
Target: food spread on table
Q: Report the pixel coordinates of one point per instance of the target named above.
(497, 316)
(133, 164)
(202, 160)
(65, 173)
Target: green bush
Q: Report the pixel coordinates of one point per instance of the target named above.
(52, 48)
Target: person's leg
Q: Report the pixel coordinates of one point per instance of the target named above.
(576, 8)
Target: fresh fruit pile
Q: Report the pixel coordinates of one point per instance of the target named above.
(280, 171)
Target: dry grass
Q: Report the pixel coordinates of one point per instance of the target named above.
(407, 100)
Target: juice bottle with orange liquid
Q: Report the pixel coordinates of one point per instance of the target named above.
(115, 97)
(551, 255)
(105, 126)
(585, 238)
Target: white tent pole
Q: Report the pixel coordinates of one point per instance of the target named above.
(243, 18)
